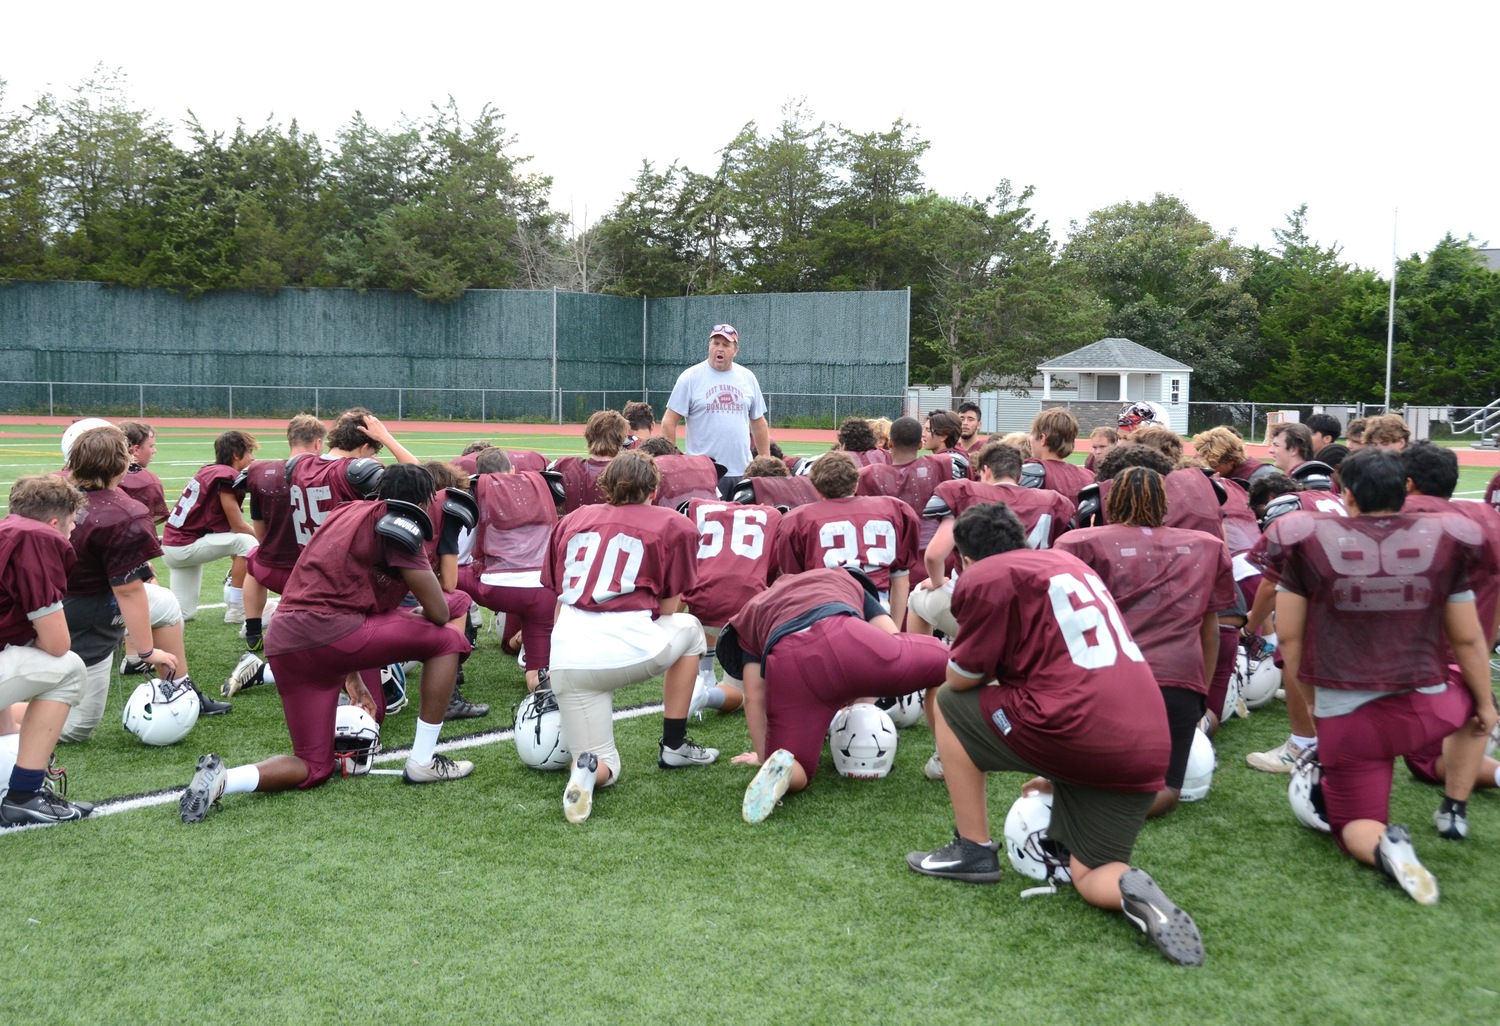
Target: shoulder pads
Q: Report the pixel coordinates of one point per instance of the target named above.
(461, 506)
(554, 480)
(936, 508)
(1219, 491)
(365, 474)
(960, 462)
(1033, 475)
(242, 481)
(292, 461)
(1090, 507)
(1279, 507)
(744, 492)
(802, 467)
(406, 524)
(682, 507)
(1316, 475)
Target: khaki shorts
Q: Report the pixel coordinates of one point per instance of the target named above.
(935, 605)
(28, 674)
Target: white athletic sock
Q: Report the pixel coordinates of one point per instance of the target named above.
(714, 699)
(236, 596)
(1303, 742)
(706, 665)
(241, 779)
(266, 676)
(425, 743)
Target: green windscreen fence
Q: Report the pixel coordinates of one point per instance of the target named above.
(76, 348)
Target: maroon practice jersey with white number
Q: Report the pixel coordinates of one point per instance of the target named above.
(876, 533)
(1241, 529)
(34, 565)
(1484, 576)
(1163, 579)
(607, 559)
(199, 511)
(112, 535)
(271, 504)
(1375, 590)
(734, 557)
(1067, 479)
(790, 492)
(913, 483)
(1074, 695)
(145, 487)
(516, 518)
(320, 485)
(580, 481)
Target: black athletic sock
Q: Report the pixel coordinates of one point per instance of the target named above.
(1454, 805)
(673, 732)
(252, 627)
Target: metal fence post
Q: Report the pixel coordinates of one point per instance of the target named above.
(231, 402)
(400, 392)
(315, 401)
(481, 405)
(141, 405)
(50, 408)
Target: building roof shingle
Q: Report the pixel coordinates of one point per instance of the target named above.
(1113, 354)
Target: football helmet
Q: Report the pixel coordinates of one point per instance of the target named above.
(356, 740)
(1258, 674)
(77, 428)
(1143, 413)
(1200, 768)
(1031, 851)
(1231, 697)
(905, 711)
(160, 712)
(10, 744)
(1305, 793)
(539, 737)
(863, 741)
(393, 683)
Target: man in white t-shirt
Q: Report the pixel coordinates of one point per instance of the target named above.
(722, 405)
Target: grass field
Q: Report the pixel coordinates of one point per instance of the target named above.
(369, 901)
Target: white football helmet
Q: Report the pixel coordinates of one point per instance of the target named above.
(1257, 670)
(160, 712)
(77, 428)
(863, 741)
(539, 737)
(1031, 851)
(1305, 793)
(10, 744)
(1231, 697)
(1200, 768)
(393, 683)
(356, 740)
(905, 711)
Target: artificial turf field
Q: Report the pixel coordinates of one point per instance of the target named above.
(367, 900)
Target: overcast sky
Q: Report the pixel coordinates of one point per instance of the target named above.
(1243, 111)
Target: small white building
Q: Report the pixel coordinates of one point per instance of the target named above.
(1094, 382)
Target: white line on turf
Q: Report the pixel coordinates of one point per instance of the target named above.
(489, 737)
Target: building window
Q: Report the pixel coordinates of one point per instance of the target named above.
(1176, 391)
(1107, 389)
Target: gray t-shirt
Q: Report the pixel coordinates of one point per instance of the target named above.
(718, 407)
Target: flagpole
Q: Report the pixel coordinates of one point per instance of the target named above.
(1390, 326)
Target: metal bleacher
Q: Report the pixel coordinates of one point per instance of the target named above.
(1484, 423)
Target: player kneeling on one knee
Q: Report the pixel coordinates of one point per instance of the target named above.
(339, 615)
(1068, 698)
(834, 643)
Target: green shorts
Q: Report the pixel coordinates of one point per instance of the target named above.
(1097, 826)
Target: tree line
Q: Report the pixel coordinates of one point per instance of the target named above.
(93, 188)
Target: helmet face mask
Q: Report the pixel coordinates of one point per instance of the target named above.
(862, 739)
(1305, 793)
(356, 740)
(160, 712)
(1257, 672)
(905, 711)
(538, 733)
(1032, 852)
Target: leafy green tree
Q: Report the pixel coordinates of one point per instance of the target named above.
(869, 237)
(1447, 328)
(25, 216)
(1173, 285)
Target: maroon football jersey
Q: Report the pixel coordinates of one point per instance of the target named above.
(1163, 581)
(607, 559)
(1484, 576)
(516, 518)
(790, 492)
(1192, 503)
(112, 535)
(145, 487)
(1241, 529)
(580, 479)
(790, 597)
(1067, 479)
(877, 533)
(974, 446)
(735, 561)
(271, 504)
(1243, 474)
(320, 485)
(199, 511)
(913, 483)
(525, 459)
(346, 572)
(468, 463)
(868, 457)
(1370, 579)
(684, 478)
(1074, 695)
(1044, 513)
(1492, 493)
(34, 564)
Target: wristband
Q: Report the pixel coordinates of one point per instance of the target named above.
(143, 656)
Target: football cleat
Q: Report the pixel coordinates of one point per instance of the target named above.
(205, 789)
(247, 673)
(44, 807)
(208, 706)
(686, 754)
(1395, 855)
(1170, 928)
(578, 797)
(460, 708)
(959, 859)
(234, 612)
(1280, 759)
(130, 666)
(1451, 825)
(440, 769)
(700, 697)
(769, 786)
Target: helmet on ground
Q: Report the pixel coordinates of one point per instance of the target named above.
(1031, 851)
(1305, 793)
(160, 712)
(77, 428)
(539, 736)
(356, 740)
(1258, 673)
(393, 683)
(1232, 696)
(905, 711)
(863, 741)
(1199, 776)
